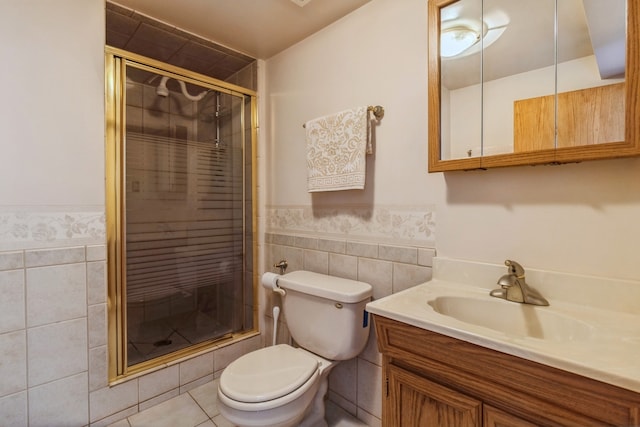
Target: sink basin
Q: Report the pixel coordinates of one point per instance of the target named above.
(512, 319)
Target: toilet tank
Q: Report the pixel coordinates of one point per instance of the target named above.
(325, 314)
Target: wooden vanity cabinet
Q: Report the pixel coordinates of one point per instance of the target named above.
(431, 380)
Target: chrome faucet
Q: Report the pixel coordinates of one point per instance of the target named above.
(513, 287)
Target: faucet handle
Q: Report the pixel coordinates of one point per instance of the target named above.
(514, 268)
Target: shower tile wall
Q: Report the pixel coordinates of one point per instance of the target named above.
(354, 385)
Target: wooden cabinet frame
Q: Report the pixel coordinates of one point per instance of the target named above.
(510, 388)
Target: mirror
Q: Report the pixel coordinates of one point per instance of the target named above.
(532, 82)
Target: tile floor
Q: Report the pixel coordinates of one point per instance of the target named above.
(198, 408)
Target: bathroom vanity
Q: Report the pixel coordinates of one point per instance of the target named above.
(454, 356)
(430, 379)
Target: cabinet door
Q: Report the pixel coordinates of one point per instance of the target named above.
(494, 417)
(414, 401)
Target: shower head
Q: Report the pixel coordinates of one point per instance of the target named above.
(162, 90)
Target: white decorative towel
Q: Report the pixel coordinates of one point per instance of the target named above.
(336, 148)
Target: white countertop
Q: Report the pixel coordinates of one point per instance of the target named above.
(610, 351)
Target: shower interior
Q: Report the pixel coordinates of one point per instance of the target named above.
(187, 191)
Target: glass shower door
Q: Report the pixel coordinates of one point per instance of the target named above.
(185, 211)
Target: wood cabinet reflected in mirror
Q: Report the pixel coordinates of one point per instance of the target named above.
(537, 82)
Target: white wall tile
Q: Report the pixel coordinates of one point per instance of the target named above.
(11, 260)
(342, 380)
(306, 242)
(317, 261)
(13, 368)
(14, 410)
(225, 355)
(97, 320)
(370, 387)
(57, 351)
(96, 282)
(348, 406)
(370, 352)
(252, 344)
(379, 274)
(345, 266)
(283, 239)
(197, 367)
(398, 253)
(60, 403)
(56, 293)
(369, 250)
(158, 382)
(98, 368)
(96, 253)
(295, 258)
(425, 256)
(42, 257)
(111, 400)
(407, 275)
(333, 246)
(12, 300)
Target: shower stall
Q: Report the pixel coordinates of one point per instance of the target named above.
(181, 224)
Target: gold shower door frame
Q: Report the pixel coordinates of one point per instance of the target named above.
(116, 62)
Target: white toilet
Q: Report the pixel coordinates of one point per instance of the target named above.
(281, 385)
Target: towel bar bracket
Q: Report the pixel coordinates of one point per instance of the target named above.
(378, 112)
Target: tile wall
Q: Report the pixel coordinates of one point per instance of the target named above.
(354, 385)
(53, 345)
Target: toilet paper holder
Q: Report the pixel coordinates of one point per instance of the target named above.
(270, 281)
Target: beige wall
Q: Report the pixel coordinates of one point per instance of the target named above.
(577, 218)
(52, 115)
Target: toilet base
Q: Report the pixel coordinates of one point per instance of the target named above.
(313, 416)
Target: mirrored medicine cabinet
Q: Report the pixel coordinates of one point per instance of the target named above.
(532, 82)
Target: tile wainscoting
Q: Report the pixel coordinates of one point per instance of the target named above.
(53, 311)
(53, 344)
(411, 225)
(53, 328)
(354, 385)
(43, 228)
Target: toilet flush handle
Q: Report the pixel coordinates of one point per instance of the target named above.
(282, 265)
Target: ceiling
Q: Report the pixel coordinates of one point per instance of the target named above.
(257, 28)
(235, 32)
(585, 27)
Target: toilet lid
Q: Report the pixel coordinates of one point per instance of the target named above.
(267, 374)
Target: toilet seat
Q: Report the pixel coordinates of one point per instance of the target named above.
(267, 374)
